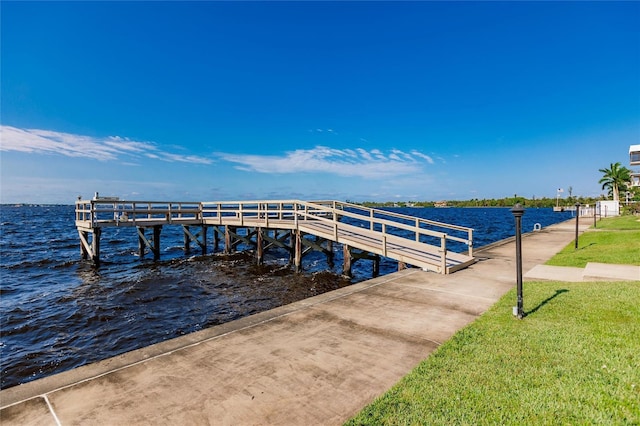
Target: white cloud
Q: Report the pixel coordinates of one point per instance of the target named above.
(111, 148)
(194, 159)
(332, 131)
(343, 162)
(365, 154)
(421, 155)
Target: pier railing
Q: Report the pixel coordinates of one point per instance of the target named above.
(106, 212)
(379, 231)
(386, 226)
(380, 218)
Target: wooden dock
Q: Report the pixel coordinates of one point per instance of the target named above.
(297, 226)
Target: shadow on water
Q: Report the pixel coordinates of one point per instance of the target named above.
(545, 301)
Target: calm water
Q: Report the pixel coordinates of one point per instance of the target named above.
(58, 312)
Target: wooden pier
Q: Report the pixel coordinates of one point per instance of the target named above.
(297, 226)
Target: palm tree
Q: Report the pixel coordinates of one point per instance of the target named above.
(615, 179)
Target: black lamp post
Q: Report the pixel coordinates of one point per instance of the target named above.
(577, 220)
(518, 211)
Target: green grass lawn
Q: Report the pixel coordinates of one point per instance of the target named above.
(574, 359)
(620, 223)
(614, 240)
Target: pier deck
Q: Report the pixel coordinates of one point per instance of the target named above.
(314, 362)
(409, 240)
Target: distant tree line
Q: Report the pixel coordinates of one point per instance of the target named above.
(490, 202)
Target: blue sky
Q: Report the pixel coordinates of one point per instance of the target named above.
(315, 100)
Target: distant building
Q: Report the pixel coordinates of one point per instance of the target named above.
(634, 160)
(608, 208)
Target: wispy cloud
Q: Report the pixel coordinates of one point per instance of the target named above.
(423, 156)
(328, 131)
(185, 158)
(109, 148)
(344, 162)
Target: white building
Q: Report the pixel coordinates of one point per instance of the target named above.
(608, 208)
(634, 160)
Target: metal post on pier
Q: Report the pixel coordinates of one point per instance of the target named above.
(518, 211)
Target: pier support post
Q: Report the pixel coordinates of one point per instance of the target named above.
(376, 266)
(259, 247)
(153, 245)
(297, 259)
(200, 238)
(95, 245)
(330, 262)
(216, 239)
(203, 246)
(291, 247)
(84, 238)
(156, 241)
(141, 242)
(187, 240)
(228, 240)
(347, 259)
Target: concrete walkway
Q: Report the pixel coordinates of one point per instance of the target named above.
(315, 362)
(592, 272)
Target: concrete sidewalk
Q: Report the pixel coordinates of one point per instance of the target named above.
(318, 361)
(592, 272)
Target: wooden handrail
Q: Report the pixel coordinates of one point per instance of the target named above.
(265, 211)
(243, 208)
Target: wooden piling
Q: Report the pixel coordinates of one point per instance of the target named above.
(347, 259)
(199, 238)
(292, 247)
(330, 254)
(228, 240)
(187, 239)
(84, 242)
(376, 266)
(95, 245)
(297, 262)
(259, 247)
(156, 241)
(141, 241)
(216, 238)
(203, 245)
